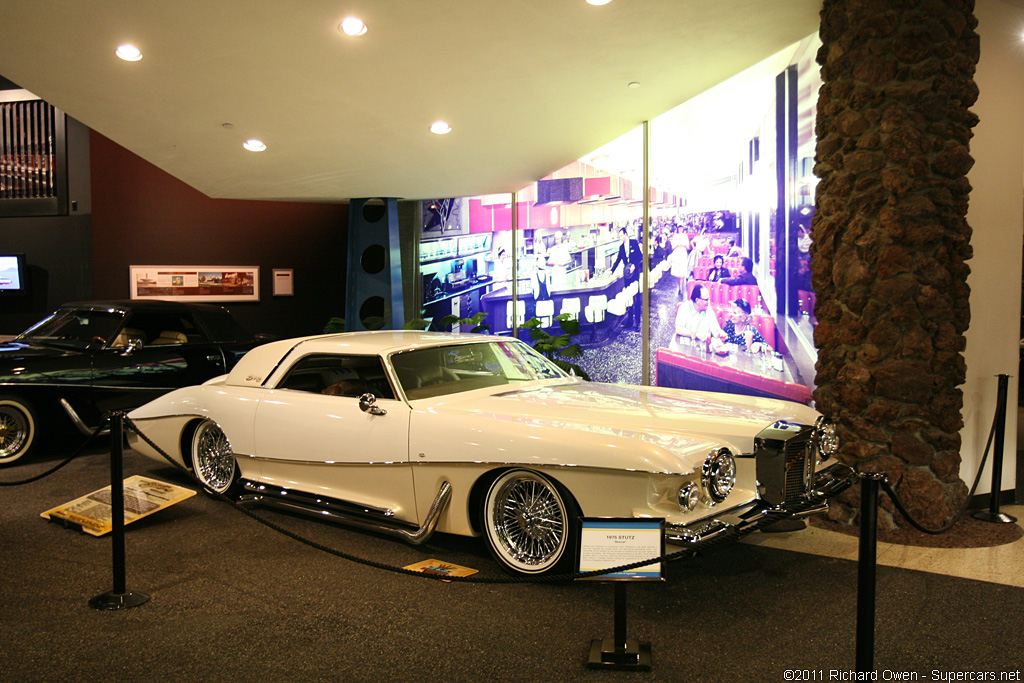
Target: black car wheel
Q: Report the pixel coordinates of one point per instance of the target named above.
(530, 523)
(17, 428)
(213, 461)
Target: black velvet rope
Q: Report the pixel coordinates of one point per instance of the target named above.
(77, 452)
(435, 576)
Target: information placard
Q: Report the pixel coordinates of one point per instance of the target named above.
(607, 542)
(142, 497)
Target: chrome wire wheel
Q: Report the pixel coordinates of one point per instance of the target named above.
(527, 521)
(17, 429)
(213, 461)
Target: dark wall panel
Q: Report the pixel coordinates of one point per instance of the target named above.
(144, 216)
(57, 248)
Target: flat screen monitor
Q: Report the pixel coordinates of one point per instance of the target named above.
(13, 275)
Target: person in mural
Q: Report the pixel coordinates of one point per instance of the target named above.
(503, 267)
(719, 272)
(632, 260)
(679, 260)
(740, 332)
(695, 320)
(558, 259)
(746, 277)
(700, 245)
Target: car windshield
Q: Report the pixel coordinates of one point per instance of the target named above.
(73, 328)
(442, 370)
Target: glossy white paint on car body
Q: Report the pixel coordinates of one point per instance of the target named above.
(620, 450)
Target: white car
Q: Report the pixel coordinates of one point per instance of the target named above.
(410, 432)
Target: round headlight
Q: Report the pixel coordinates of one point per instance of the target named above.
(719, 474)
(826, 440)
(689, 496)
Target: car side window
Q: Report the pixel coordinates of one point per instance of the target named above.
(158, 328)
(339, 375)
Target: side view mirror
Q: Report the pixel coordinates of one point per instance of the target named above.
(133, 346)
(368, 404)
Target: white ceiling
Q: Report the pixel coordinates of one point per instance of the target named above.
(527, 85)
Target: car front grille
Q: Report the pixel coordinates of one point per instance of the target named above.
(799, 467)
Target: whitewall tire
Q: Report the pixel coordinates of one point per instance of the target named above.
(18, 429)
(530, 523)
(213, 461)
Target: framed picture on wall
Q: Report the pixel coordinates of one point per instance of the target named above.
(195, 283)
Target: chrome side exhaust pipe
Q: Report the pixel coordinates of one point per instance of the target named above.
(413, 536)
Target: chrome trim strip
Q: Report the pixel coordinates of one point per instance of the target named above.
(414, 535)
(475, 463)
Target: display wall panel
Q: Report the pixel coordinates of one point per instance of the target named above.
(732, 308)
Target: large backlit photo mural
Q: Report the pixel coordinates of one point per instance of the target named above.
(730, 197)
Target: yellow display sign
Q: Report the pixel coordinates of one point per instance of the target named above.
(142, 497)
(440, 568)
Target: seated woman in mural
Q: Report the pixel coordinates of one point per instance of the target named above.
(719, 272)
(697, 323)
(740, 332)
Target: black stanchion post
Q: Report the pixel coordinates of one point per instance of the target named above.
(866, 570)
(119, 597)
(620, 652)
(993, 514)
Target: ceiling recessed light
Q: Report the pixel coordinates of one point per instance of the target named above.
(633, 84)
(352, 26)
(598, 2)
(440, 127)
(254, 145)
(129, 53)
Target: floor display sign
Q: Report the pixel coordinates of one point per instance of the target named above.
(613, 542)
(142, 497)
(441, 568)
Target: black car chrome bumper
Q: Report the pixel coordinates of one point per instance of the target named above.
(825, 484)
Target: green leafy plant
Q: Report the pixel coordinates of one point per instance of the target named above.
(559, 349)
(334, 325)
(477, 322)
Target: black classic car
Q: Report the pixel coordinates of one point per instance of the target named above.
(88, 358)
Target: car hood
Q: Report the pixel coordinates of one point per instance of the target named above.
(677, 419)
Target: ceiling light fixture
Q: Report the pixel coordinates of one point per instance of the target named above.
(440, 128)
(352, 26)
(598, 2)
(633, 84)
(254, 145)
(129, 53)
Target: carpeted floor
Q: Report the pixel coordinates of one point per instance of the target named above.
(967, 533)
(232, 600)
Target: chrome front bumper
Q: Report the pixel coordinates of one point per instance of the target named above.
(826, 483)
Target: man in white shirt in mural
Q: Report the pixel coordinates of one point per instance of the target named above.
(697, 321)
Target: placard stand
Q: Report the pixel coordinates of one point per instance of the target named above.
(619, 652)
(609, 542)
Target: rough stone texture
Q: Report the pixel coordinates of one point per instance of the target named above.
(891, 243)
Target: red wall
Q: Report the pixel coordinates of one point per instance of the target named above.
(144, 216)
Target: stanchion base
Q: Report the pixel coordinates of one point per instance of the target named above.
(604, 655)
(112, 600)
(997, 517)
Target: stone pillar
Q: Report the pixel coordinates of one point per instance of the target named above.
(891, 243)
